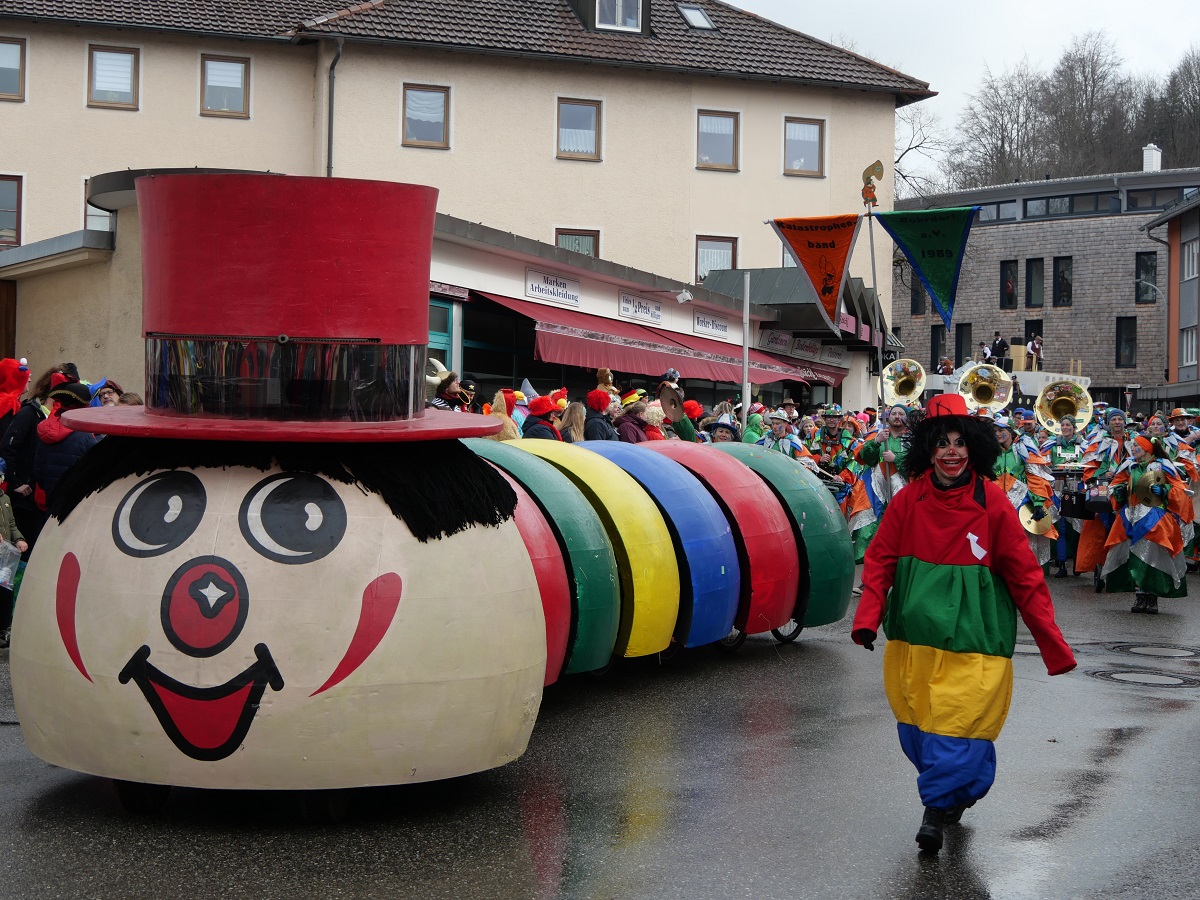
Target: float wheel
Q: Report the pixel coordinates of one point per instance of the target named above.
(732, 641)
(143, 799)
(788, 632)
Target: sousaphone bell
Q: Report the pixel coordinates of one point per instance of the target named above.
(1062, 398)
(903, 383)
(985, 386)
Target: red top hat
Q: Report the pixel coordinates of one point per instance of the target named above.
(286, 309)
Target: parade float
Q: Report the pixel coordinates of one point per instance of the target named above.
(285, 573)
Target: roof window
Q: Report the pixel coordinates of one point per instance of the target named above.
(697, 18)
(619, 15)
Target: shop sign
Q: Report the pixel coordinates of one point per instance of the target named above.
(848, 323)
(555, 288)
(806, 348)
(775, 341)
(834, 354)
(632, 306)
(706, 323)
(864, 332)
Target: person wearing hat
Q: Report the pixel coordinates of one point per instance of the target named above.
(542, 421)
(1182, 429)
(58, 446)
(447, 394)
(946, 576)
(105, 392)
(631, 424)
(725, 429)
(999, 347)
(1063, 450)
(781, 438)
(1024, 475)
(1103, 457)
(882, 459)
(596, 425)
(1145, 544)
(755, 428)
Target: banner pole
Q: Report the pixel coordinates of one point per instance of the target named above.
(887, 475)
(745, 348)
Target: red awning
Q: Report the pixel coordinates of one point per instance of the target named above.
(816, 372)
(573, 338)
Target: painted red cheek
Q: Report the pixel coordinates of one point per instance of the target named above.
(380, 601)
(65, 599)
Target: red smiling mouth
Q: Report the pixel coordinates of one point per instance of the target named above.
(206, 723)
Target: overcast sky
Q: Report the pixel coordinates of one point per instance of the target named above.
(948, 43)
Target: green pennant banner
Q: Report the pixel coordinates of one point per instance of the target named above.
(933, 241)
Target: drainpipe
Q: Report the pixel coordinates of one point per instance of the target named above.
(329, 115)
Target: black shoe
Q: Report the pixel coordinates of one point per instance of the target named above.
(1151, 605)
(1139, 604)
(929, 835)
(954, 815)
(1062, 571)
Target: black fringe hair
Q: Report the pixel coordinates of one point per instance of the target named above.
(982, 447)
(436, 487)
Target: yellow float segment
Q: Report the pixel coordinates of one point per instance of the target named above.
(645, 553)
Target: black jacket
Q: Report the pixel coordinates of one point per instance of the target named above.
(58, 448)
(999, 348)
(539, 427)
(17, 449)
(597, 427)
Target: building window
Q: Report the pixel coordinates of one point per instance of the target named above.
(112, 77)
(1126, 342)
(1146, 288)
(789, 261)
(937, 346)
(1189, 260)
(714, 253)
(717, 140)
(1187, 346)
(802, 143)
(96, 219)
(916, 295)
(10, 210)
(1008, 284)
(12, 68)
(625, 15)
(697, 18)
(1063, 280)
(1035, 209)
(441, 332)
(578, 240)
(426, 116)
(1035, 283)
(578, 129)
(963, 350)
(225, 86)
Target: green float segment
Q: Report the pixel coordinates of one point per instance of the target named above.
(592, 570)
(826, 553)
(974, 612)
(650, 581)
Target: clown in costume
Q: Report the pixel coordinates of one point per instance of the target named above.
(1145, 546)
(1024, 475)
(1102, 457)
(946, 575)
(882, 458)
(1064, 449)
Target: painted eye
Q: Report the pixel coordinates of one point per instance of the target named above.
(159, 514)
(293, 518)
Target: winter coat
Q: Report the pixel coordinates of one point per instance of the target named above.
(596, 427)
(18, 447)
(540, 427)
(631, 429)
(58, 448)
(8, 522)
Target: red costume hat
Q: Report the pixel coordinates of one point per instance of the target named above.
(256, 332)
(541, 406)
(599, 400)
(946, 405)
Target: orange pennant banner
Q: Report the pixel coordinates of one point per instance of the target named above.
(821, 246)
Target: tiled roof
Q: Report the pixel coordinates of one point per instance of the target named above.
(742, 45)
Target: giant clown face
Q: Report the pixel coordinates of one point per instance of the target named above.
(234, 628)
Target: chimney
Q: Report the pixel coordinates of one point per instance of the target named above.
(1151, 158)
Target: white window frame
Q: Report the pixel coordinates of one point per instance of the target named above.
(1187, 346)
(619, 6)
(1189, 259)
(706, 22)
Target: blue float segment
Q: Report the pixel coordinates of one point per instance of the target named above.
(710, 579)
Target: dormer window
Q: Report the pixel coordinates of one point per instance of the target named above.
(697, 18)
(619, 15)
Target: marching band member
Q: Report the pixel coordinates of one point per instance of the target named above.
(1102, 458)
(1065, 450)
(881, 459)
(1145, 545)
(1024, 475)
(781, 438)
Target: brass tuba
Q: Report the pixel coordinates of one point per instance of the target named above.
(985, 386)
(903, 383)
(1062, 398)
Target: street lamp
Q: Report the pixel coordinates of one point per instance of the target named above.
(1150, 284)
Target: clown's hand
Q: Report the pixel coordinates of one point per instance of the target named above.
(1120, 493)
(864, 636)
(1160, 490)
(1039, 512)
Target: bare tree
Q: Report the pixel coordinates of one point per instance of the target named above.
(1180, 103)
(921, 145)
(1000, 134)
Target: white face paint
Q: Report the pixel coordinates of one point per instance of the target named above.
(230, 629)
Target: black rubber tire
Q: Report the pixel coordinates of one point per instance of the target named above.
(788, 632)
(323, 807)
(732, 641)
(142, 799)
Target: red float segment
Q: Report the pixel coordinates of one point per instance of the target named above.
(363, 277)
(550, 570)
(761, 529)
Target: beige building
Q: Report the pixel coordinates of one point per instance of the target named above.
(658, 135)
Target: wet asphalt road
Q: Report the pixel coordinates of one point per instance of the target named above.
(774, 772)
